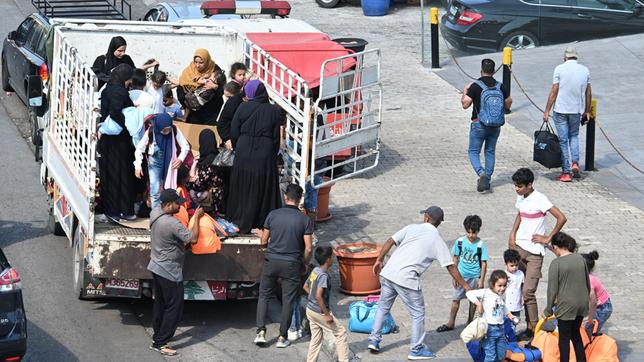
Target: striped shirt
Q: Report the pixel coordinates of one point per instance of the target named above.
(532, 210)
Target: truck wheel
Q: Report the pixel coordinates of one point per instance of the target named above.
(5, 77)
(79, 265)
(327, 4)
(53, 226)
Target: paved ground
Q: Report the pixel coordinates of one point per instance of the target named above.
(423, 162)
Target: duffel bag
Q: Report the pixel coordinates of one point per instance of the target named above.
(547, 150)
(362, 315)
(601, 347)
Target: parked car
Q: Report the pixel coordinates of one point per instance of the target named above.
(190, 10)
(13, 322)
(23, 61)
(491, 25)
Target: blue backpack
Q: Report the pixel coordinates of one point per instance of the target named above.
(492, 106)
(362, 315)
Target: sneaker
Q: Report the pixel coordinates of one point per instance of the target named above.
(421, 354)
(260, 338)
(576, 173)
(565, 177)
(294, 335)
(282, 342)
(483, 183)
(374, 346)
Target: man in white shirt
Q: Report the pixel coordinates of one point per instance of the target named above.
(417, 246)
(528, 237)
(571, 95)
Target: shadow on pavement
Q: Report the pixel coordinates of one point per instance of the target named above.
(43, 347)
(16, 231)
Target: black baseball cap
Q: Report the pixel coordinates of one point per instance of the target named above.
(170, 195)
(434, 212)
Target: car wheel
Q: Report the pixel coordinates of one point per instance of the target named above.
(519, 40)
(79, 264)
(327, 3)
(53, 226)
(5, 77)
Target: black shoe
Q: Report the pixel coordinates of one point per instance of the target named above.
(525, 335)
(483, 183)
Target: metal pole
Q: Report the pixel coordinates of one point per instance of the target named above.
(507, 72)
(434, 28)
(590, 138)
(422, 32)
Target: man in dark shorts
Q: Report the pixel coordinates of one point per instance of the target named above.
(290, 233)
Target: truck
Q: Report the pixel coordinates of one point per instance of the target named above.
(110, 259)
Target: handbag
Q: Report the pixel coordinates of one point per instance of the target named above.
(225, 158)
(475, 331)
(547, 150)
(362, 315)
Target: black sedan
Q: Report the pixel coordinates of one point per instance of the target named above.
(491, 25)
(24, 68)
(13, 322)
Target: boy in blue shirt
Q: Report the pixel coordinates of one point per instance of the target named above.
(470, 255)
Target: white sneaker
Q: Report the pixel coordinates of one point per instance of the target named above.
(282, 342)
(260, 338)
(294, 335)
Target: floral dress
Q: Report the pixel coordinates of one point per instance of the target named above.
(208, 187)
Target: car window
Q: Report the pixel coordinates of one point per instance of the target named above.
(151, 15)
(163, 15)
(23, 31)
(626, 5)
(35, 38)
(555, 2)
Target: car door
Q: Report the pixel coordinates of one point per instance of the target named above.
(29, 59)
(14, 55)
(605, 18)
(554, 20)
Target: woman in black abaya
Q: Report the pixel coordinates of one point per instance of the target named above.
(116, 162)
(254, 181)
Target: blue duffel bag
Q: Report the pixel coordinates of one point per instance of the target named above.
(362, 315)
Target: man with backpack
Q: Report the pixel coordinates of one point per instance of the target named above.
(489, 102)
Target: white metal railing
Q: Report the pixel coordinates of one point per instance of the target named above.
(348, 116)
(74, 111)
(291, 92)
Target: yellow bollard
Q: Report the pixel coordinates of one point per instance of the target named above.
(433, 16)
(590, 137)
(507, 71)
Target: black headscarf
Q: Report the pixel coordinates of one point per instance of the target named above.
(120, 74)
(207, 147)
(110, 60)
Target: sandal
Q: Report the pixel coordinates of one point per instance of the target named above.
(444, 328)
(164, 350)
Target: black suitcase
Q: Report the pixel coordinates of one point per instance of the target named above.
(547, 150)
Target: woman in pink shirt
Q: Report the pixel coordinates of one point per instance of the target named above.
(600, 305)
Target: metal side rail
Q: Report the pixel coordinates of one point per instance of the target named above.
(88, 9)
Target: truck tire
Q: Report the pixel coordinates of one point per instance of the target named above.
(327, 4)
(5, 77)
(54, 226)
(79, 265)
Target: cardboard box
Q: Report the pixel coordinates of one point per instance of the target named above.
(191, 132)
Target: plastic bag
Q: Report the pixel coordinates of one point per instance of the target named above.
(475, 331)
(225, 158)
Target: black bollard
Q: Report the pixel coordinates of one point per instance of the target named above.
(589, 165)
(507, 72)
(433, 16)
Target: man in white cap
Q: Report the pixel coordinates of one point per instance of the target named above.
(571, 96)
(417, 246)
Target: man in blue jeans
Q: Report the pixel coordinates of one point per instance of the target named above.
(571, 96)
(479, 133)
(417, 245)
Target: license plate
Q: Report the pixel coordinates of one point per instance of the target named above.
(129, 284)
(453, 10)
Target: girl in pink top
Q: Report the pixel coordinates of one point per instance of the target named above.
(600, 305)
